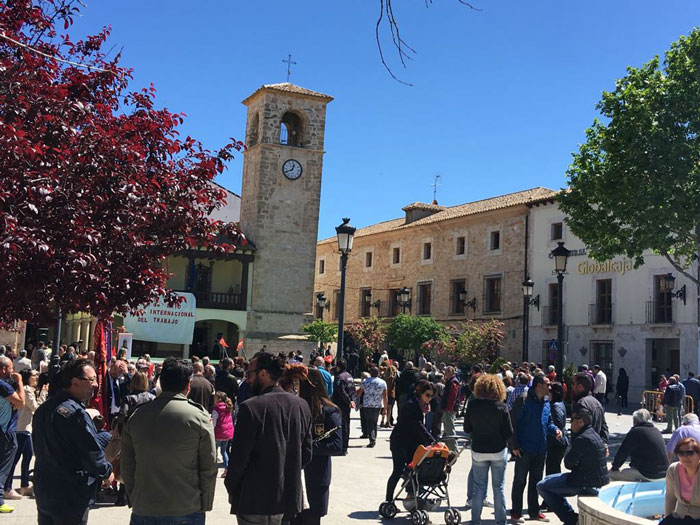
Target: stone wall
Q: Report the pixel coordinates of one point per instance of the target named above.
(444, 267)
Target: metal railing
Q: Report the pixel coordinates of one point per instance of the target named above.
(550, 316)
(657, 314)
(653, 401)
(600, 314)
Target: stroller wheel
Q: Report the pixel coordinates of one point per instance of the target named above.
(388, 510)
(452, 516)
(419, 517)
(424, 517)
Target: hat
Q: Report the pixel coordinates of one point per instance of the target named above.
(550, 368)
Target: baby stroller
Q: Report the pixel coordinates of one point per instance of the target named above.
(425, 485)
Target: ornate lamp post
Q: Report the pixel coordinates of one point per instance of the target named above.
(560, 255)
(345, 234)
(404, 296)
(528, 287)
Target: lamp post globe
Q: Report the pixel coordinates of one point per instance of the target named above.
(345, 234)
(404, 297)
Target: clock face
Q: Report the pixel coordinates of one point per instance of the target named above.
(292, 169)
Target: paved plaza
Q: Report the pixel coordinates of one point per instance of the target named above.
(359, 482)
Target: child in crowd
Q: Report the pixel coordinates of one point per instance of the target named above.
(222, 417)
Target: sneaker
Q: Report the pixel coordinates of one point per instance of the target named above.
(6, 509)
(488, 503)
(516, 518)
(12, 494)
(371, 445)
(539, 517)
(469, 504)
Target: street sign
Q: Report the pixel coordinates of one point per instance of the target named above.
(553, 351)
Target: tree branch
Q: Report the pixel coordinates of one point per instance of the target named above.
(678, 267)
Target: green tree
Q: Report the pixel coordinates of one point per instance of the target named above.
(634, 185)
(321, 332)
(409, 332)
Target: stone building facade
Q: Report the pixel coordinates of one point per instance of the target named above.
(436, 251)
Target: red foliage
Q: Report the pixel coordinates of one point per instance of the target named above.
(97, 188)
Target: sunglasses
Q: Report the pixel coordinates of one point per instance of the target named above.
(686, 453)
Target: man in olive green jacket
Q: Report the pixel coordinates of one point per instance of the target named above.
(168, 458)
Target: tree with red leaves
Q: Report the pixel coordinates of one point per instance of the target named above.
(97, 187)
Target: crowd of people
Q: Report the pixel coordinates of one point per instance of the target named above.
(271, 425)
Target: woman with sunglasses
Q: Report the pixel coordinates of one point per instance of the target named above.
(682, 486)
(409, 432)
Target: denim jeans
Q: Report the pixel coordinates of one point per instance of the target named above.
(528, 469)
(196, 518)
(448, 421)
(223, 445)
(480, 470)
(554, 490)
(673, 420)
(8, 449)
(25, 451)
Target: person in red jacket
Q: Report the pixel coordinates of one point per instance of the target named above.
(449, 407)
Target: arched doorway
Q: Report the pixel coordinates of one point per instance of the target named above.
(207, 336)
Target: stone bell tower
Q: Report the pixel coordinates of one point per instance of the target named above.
(279, 209)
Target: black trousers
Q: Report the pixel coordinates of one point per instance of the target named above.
(79, 517)
(370, 416)
(528, 469)
(345, 421)
(401, 458)
(553, 462)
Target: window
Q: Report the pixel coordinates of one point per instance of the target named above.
(322, 266)
(457, 287)
(365, 302)
(495, 240)
(393, 302)
(290, 130)
(202, 280)
(368, 259)
(492, 294)
(424, 298)
(550, 314)
(603, 302)
(662, 310)
(427, 251)
(336, 304)
(461, 245)
(602, 354)
(395, 255)
(556, 231)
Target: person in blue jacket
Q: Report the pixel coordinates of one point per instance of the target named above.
(532, 424)
(70, 463)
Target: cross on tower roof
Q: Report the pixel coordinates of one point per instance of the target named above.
(289, 65)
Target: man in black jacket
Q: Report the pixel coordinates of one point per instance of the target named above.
(225, 381)
(344, 397)
(271, 445)
(583, 385)
(645, 447)
(405, 383)
(586, 461)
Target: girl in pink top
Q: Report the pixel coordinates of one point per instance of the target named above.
(222, 417)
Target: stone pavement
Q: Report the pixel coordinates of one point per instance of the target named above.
(359, 482)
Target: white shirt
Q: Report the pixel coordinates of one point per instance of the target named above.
(600, 381)
(22, 363)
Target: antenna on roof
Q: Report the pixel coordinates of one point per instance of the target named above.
(435, 185)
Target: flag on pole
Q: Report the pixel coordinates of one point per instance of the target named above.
(222, 342)
(240, 345)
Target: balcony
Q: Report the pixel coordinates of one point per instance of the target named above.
(220, 300)
(550, 316)
(659, 313)
(600, 314)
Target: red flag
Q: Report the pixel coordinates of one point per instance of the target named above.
(223, 343)
(100, 399)
(240, 345)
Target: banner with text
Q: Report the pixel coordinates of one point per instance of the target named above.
(161, 323)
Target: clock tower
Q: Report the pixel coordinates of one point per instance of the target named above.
(279, 209)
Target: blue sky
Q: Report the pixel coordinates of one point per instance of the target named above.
(501, 97)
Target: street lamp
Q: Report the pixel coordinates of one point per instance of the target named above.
(321, 302)
(345, 234)
(560, 255)
(528, 287)
(463, 299)
(404, 297)
(670, 283)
